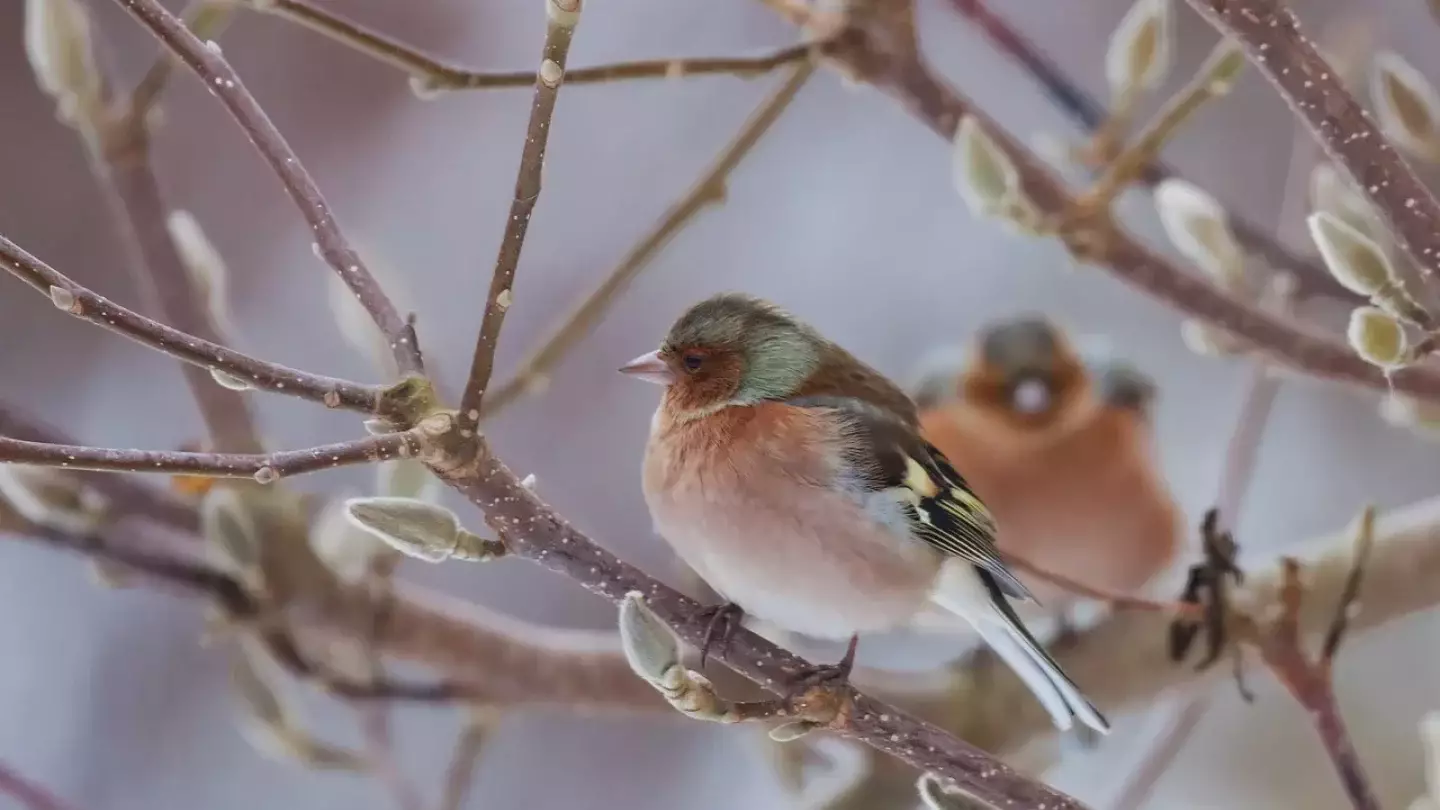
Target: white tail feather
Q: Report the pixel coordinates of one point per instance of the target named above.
(960, 591)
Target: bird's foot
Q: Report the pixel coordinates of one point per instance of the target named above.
(832, 678)
(721, 622)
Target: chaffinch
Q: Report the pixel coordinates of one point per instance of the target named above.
(1057, 442)
(793, 478)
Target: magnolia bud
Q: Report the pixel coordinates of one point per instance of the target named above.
(1378, 338)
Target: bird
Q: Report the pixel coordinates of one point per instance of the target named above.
(793, 478)
(1056, 437)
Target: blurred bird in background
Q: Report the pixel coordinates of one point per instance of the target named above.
(793, 479)
(1056, 440)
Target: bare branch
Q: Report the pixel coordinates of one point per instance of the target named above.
(1271, 36)
(708, 190)
(220, 79)
(263, 467)
(1312, 277)
(885, 57)
(1180, 726)
(206, 19)
(1364, 545)
(461, 773)
(531, 529)
(29, 795)
(431, 74)
(103, 312)
(560, 19)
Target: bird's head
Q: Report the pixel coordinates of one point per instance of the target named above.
(730, 349)
(1025, 368)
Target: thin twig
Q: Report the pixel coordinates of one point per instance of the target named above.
(206, 19)
(708, 190)
(461, 773)
(432, 74)
(560, 19)
(886, 58)
(1311, 682)
(1168, 744)
(89, 306)
(222, 80)
(1118, 601)
(1313, 278)
(29, 795)
(264, 467)
(1270, 34)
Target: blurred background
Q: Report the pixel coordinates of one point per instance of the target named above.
(846, 214)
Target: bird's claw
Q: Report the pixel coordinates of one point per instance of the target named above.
(721, 622)
(829, 677)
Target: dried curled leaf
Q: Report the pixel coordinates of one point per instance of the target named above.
(205, 267)
(419, 529)
(1198, 227)
(1378, 338)
(1354, 259)
(59, 48)
(1141, 48)
(1406, 105)
(51, 497)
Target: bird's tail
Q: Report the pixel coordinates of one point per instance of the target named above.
(970, 593)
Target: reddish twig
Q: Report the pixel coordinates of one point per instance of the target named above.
(1118, 601)
(1312, 277)
(29, 795)
(881, 51)
(205, 61)
(101, 311)
(1270, 34)
(436, 74)
(263, 467)
(560, 19)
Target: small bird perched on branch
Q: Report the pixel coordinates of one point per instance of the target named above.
(793, 478)
(1058, 445)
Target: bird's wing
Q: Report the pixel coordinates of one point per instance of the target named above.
(884, 454)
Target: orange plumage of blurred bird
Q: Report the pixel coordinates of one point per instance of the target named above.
(1059, 446)
(793, 479)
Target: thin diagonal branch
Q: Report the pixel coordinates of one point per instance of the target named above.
(1270, 34)
(1312, 277)
(560, 19)
(29, 795)
(708, 190)
(205, 61)
(884, 57)
(264, 467)
(433, 74)
(94, 308)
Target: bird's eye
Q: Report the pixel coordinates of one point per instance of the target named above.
(692, 362)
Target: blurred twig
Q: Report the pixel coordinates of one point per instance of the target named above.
(29, 795)
(1313, 278)
(461, 773)
(210, 66)
(432, 74)
(207, 20)
(708, 190)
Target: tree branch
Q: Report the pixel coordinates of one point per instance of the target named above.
(1312, 277)
(708, 190)
(206, 19)
(433, 75)
(560, 19)
(1270, 34)
(220, 79)
(89, 306)
(29, 795)
(882, 54)
(263, 467)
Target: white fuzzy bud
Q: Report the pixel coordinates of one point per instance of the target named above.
(1406, 105)
(1198, 227)
(986, 177)
(51, 497)
(1140, 51)
(1351, 257)
(205, 267)
(227, 380)
(58, 45)
(1377, 337)
(1223, 68)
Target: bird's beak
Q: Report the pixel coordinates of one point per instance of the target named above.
(650, 368)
